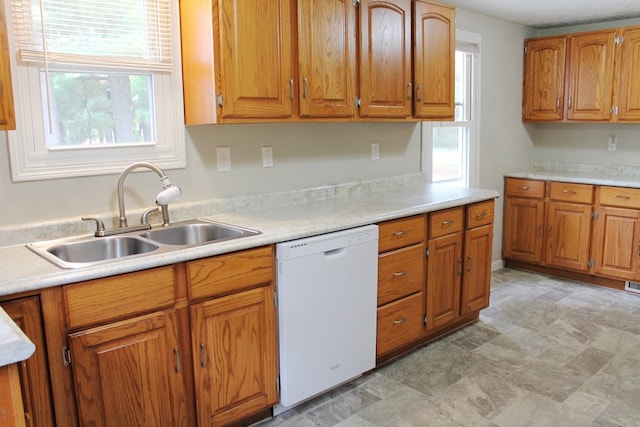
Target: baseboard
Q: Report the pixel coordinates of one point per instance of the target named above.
(497, 265)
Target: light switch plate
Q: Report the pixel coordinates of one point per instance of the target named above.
(223, 157)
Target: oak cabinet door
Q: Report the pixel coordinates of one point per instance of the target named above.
(568, 235)
(234, 356)
(385, 58)
(7, 111)
(617, 243)
(522, 234)
(33, 372)
(434, 61)
(256, 58)
(544, 71)
(444, 269)
(129, 373)
(591, 61)
(628, 91)
(327, 58)
(476, 279)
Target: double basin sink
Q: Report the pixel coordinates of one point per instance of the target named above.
(77, 252)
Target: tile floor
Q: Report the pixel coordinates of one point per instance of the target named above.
(547, 352)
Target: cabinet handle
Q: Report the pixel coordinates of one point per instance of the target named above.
(447, 223)
(558, 103)
(568, 191)
(481, 215)
(459, 266)
(399, 273)
(570, 101)
(524, 187)
(291, 89)
(203, 356)
(469, 264)
(400, 321)
(409, 90)
(419, 93)
(538, 230)
(399, 233)
(304, 88)
(549, 231)
(176, 354)
(623, 196)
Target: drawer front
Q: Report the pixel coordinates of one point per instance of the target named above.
(567, 192)
(479, 214)
(400, 273)
(620, 196)
(225, 274)
(446, 222)
(401, 232)
(115, 297)
(524, 187)
(399, 323)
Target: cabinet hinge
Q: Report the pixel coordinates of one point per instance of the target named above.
(356, 2)
(618, 41)
(66, 355)
(426, 252)
(424, 321)
(275, 299)
(525, 49)
(358, 102)
(219, 100)
(595, 215)
(591, 263)
(278, 384)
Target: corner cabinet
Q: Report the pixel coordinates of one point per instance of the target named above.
(583, 77)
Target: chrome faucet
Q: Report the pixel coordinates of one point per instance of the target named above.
(169, 193)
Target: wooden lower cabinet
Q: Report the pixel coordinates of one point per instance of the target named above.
(400, 323)
(444, 272)
(33, 372)
(617, 243)
(476, 277)
(12, 412)
(568, 235)
(129, 373)
(234, 356)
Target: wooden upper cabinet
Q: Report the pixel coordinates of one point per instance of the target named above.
(544, 71)
(385, 59)
(255, 62)
(627, 97)
(7, 112)
(327, 58)
(591, 61)
(434, 60)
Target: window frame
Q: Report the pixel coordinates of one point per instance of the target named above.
(32, 160)
(471, 174)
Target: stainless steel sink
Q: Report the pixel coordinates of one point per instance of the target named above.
(196, 233)
(77, 252)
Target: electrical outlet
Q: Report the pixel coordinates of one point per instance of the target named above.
(267, 157)
(375, 151)
(613, 143)
(223, 157)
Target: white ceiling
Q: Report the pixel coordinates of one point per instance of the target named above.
(553, 13)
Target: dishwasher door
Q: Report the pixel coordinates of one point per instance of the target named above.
(327, 296)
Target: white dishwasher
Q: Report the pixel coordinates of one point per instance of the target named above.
(327, 297)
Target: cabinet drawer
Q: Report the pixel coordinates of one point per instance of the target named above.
(399, 323)
(567, 192)
(401, 232)
(524, 188)
(225, 274)
(479, 214)
(446, 222)
(115, 297)
(400, 273)
(619, 196)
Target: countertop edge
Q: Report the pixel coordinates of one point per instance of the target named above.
(579, 178)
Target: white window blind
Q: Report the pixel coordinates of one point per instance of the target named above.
(121, 34)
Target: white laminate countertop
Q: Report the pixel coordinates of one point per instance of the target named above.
(580, 178)
(15, 346)
(22, 270)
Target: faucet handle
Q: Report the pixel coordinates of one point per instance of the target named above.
(99, 226)
(144, 219)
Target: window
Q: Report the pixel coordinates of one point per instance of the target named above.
(97, 86)
(450, 148)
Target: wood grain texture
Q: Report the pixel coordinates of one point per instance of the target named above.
(401, 232)
(401, 273)
(399, 323)
(544, 79)
(11, 407)
(444, 273)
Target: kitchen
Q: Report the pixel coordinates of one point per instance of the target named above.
(307, 151)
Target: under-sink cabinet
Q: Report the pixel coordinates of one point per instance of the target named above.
(575, 230)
